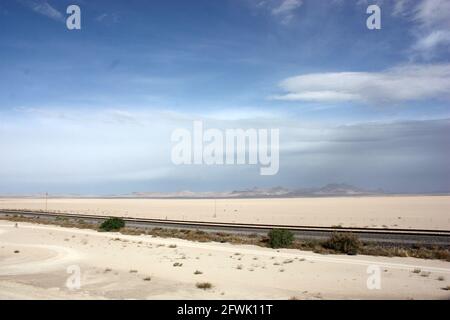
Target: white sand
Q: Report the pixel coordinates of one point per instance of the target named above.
(38, 270)
(419, 212)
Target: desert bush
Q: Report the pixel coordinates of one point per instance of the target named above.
(112, 224)
(279, 238)
(204, 285)
(343, 242)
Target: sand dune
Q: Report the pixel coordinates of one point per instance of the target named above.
(420, 212)
(115, 266)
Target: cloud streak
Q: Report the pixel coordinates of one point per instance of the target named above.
(43, 8)
(399, 84)
(285, 10)
(282, 10)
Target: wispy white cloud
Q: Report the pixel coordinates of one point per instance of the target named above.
(101, 17)
(399, 84)
(282, 10)
(285, 10)
(432, 41)
(400, 6)
(107, 18)
(43, 8)
(432, 25)
(433, 13)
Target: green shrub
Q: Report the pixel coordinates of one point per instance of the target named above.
(279, 238)
(112, 224)
(343, 242)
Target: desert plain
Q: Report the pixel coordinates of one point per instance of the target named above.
(415, 212)
(39, 261)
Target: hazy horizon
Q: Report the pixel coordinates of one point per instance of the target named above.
(291, 192)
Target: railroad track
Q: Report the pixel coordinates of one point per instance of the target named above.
(382, 235)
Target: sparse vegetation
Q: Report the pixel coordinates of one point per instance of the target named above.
(318, 246)
(177, 264)
(203, 285)
(198, 272)
(422, 252)
(147, 279)
(280, 238)
(343, 242)
(112, 224)
(417, 270)
(172, 246)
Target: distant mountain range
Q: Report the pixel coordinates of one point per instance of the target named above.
(329, 190)
(332, 189)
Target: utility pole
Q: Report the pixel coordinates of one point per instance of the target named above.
(215, 208)
(46, 201)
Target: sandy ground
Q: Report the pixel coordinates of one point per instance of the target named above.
(417, 212)
(35, 260)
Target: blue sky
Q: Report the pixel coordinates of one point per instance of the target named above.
(91, 110)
